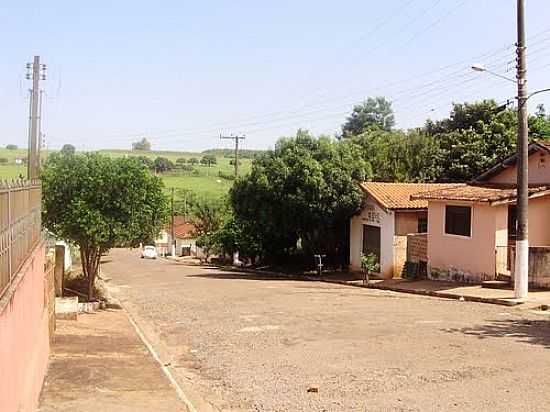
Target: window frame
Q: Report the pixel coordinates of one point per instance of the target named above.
(469, 206)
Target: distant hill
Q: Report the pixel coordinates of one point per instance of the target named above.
(245, 153)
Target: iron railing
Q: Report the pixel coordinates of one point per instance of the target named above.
(20, 226)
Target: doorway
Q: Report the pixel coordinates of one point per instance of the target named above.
(371, 241)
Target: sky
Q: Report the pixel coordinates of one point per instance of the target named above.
(183, 72)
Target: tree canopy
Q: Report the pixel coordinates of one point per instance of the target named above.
(142, 144)
(68, 149)
(305, 189)
(97, 203)
(373, 113)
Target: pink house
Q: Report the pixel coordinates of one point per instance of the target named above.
(471, 227)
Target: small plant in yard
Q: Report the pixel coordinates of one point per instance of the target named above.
(369, 264)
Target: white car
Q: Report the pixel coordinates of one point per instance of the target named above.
(149, 252)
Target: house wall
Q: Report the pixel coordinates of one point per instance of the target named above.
(24, 337)
(458, 258)
(539, 171)
(407, 221)
(539, 221)
(373, 214)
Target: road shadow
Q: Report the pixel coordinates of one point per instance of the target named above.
(535, 332)
(217, 274)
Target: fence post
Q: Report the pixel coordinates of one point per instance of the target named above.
(10, 233)
(59, 271)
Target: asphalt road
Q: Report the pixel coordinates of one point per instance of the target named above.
(238, 342)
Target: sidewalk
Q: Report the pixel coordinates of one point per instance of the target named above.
(99, 363)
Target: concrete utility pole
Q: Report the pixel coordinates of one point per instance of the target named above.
(521, 270)
(173, 246)
(236, 138)
(36, 72)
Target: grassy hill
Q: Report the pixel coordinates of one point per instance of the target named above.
(205, 181)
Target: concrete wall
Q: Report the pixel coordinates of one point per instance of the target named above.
(24, 337)
(399, 254)
(373, 215)
(459, 258)
(539, 171)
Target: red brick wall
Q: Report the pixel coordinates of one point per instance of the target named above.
(417, 247)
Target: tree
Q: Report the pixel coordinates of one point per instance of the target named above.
(474, 137)
(209, 160)
(162, 164)
(193, 161)
(181, 160)
(98, 203)
(374, 113)
(68, 149)
(208, 218)
(11, 147)
(142, 144)
(305, 189)
(146, 161)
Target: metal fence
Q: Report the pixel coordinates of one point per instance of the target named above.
(19, 226)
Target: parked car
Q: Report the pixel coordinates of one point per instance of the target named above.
(149, 252)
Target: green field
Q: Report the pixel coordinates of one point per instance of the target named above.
(204, 181)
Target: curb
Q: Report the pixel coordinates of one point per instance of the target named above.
(422, 292)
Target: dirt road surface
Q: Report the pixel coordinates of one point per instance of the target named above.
(239, 342)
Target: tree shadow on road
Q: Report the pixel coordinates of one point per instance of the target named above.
(535, 332)
(216, 274)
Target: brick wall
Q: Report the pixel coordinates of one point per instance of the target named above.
(417, 247)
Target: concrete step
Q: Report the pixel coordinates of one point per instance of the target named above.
(496, 284)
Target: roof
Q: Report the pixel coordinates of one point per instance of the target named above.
(511, 161)
(398, 195)
(484, 193)
(184, 230)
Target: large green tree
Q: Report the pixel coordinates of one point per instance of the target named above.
(98, 203)
(305, 189)
(373, 113)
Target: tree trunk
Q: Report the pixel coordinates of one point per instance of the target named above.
(90, 257)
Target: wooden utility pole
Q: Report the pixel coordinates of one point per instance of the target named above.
(36, 72)
(521, 270)
(236, 138)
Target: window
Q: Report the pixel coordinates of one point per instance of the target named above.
(458, 220)
(422, 224)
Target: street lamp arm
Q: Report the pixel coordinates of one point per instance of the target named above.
(537, 92)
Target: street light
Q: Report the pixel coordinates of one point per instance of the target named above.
(478, 67)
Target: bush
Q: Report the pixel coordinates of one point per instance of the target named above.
(181, 160)
(226, 176)
(410, 270)
(11, 147)
(3, 160)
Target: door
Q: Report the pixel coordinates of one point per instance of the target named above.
(371, 241)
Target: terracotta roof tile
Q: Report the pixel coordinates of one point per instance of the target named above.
(479, 193)
(398, 195)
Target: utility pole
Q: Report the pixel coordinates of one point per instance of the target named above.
(35, 72)
(521, 270)
(173, 246)
(236, 138)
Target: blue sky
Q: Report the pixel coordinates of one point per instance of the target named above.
(182, 72)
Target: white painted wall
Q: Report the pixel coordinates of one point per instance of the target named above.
(373, 215)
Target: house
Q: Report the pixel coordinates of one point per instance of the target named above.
(387, 216)
(471, 229)
(185, 239)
